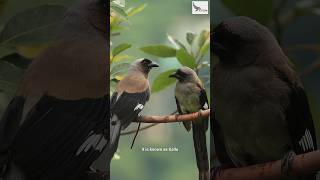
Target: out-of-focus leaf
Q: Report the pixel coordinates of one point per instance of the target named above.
(118, 9)
(159, 50)
(4, 51)
(190, 36)
(120, 48)
(120, 57)
(204, 35)
(31, 51)
(204, 49)
(133, 11)
(176, 42)
(17, 60)
(259, 10)
(186, 59)
(33, 26)
(119, 68)
(162, 81)
(9, 77)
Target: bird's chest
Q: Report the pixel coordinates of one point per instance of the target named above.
(249, 116)
(188, 97)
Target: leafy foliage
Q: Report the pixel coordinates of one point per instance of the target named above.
(119, 20)
(190, 54)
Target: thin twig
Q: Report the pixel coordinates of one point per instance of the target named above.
(144, 128)
(141, 129)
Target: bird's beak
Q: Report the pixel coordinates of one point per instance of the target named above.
(152, 65)
(174, 75)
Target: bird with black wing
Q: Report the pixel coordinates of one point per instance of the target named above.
(191, 97)
(57, 124)
(261, 111)
(128, 100)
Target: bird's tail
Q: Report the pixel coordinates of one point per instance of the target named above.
(115, 129)
(200, 145)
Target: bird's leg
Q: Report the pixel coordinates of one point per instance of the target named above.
(199, 113)
(286, 163)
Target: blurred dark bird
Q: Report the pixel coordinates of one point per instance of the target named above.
(191, 97)
(57, 124)
(261, 112)
(127, 102)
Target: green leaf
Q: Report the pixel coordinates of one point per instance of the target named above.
(162, 81)
(186, 59)
(120, 48)
(119, 69)
(17, 60)
(190, 36)
(159, 50)
(204, 35)
(10, 75)
(33, 26)
(4, 51)
(259, 10)
(176, 42)
(118, 9)
(135, 10)
(204, 49)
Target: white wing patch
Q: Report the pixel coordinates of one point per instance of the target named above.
(306, 141)
(205, 106)
(96, 141)
(139, 106)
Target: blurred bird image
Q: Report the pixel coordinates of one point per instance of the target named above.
(57, 124)
(261, 111)
(191, 97)
(127, 102)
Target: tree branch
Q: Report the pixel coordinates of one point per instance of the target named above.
(303, 164)
(173, 118)
(141, 129)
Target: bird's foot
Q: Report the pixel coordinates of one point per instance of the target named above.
(215, 172)
(199, 113)
(94, 174)
(286, 163)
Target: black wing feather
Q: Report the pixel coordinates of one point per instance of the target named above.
(203, 99)
(219, 145)
(300, 121)
(126, 106)
(47, 142)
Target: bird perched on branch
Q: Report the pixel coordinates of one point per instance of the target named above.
(261, 111)
(127, 102)
(191, 97)
(57, 124)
